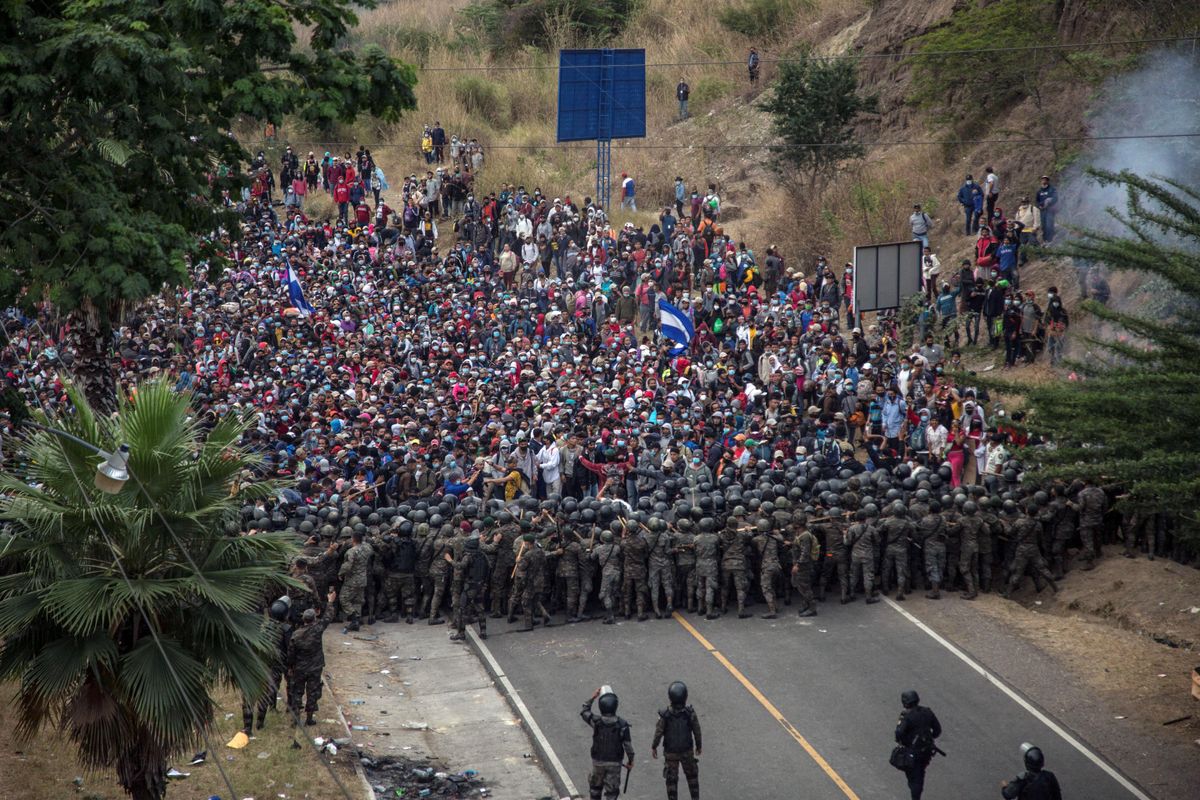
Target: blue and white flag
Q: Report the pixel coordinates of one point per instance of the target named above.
(296, 292)
(675, 326)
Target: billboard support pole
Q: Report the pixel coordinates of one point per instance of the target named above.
(604, 173)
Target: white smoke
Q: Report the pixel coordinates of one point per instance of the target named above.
(1161, 97)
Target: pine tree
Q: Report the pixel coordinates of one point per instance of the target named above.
(1134, 420)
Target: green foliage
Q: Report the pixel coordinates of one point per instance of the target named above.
(707, 90)
(760, 19)
(75, 631)
(965, 88)
(815, 103)
(485, 99)
(417, 42)
(508, 25)
(114, 112)
(1132, 421)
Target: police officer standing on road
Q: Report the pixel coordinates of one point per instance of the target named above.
(916, 730)
(610, 741)
(1035, 783)
(677, 727)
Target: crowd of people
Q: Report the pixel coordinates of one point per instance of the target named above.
(490, 422)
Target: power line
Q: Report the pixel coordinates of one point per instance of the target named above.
(839, 57)
(761, 146)
(136, 599)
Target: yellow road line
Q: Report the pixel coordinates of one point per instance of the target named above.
(770, 707)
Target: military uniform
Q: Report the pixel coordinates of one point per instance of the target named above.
(355, 570)
(897, 531)
(864, 549)
(933, 532)
(531, 571)
(708, 551)
(400, 580)
(685, 569)
(1027, 556)
(970, 529)
(607, 556)
(767, 543)
(567, 571)
(676, 729)
(439, 572)
(634, 590)
(733, 565)
(610, 741)
(661, 569)
(1092, 503)
(305, 661)
(426, 539)
(834, 561)
(806, 552)
(475, 570)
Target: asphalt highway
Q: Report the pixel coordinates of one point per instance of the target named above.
(790, 708)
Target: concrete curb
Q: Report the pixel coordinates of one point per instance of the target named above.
(368, 790)
(549, 759)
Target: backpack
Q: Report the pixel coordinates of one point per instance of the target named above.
(917, 440)
(876, 412)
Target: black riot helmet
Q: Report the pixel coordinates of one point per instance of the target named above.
(608, 704)
(677, 693)
(1034, 759)
(909, 698)
(279, 610)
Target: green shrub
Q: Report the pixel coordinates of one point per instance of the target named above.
(708, 90)
(759, 19)
(507, 25)
(416, 42)
(485, 99)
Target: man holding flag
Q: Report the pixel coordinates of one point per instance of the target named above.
(296, 292)
(676, 326)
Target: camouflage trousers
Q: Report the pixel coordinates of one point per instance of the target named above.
(672, 762)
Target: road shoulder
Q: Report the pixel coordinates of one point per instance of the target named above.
(423, 697)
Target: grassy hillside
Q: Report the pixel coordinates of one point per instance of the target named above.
(987, 97)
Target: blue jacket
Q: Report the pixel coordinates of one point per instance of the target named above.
(946, 306)
(965, 193)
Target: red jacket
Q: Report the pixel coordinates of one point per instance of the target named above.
(341, 193)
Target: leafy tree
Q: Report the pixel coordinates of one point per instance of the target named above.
(1133, 420)
(117, 120)
(815, 103)
(126, 664)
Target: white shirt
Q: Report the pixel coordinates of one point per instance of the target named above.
(991, 184)
(549, 459)
(935, 440)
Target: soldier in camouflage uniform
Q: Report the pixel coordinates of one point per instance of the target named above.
(896, 532)
(607, 556)
(733, 561)
(685, 564)
(1092, 504)
(399, 582)
(586, 567)
(806, 554)
(473, 566)
(439, 571)
(567, 572)
(950, 515)
(992, 529)
(970, 528)
(1061, 512)
(768, 544)
(634, 548)
(677, 729)
(1024, 533)
(933, 535)
(304, 597)
(708, 553)
(531, 571)
(306, 659)
(503, 560)
(835, 560)
(354, 573)
(426, 539)
(661, 567)
(863, 538)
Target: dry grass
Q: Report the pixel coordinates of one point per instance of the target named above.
(45, 768)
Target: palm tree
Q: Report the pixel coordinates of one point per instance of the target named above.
(114, 636)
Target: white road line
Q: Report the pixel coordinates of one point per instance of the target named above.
(523, 710)
(1025, 704)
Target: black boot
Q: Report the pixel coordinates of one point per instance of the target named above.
(310, 719)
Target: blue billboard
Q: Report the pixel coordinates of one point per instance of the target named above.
(601, 94)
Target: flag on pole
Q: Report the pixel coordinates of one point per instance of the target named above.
(296, 292)
(675, 326)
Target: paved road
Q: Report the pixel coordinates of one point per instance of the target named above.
(790, 707)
